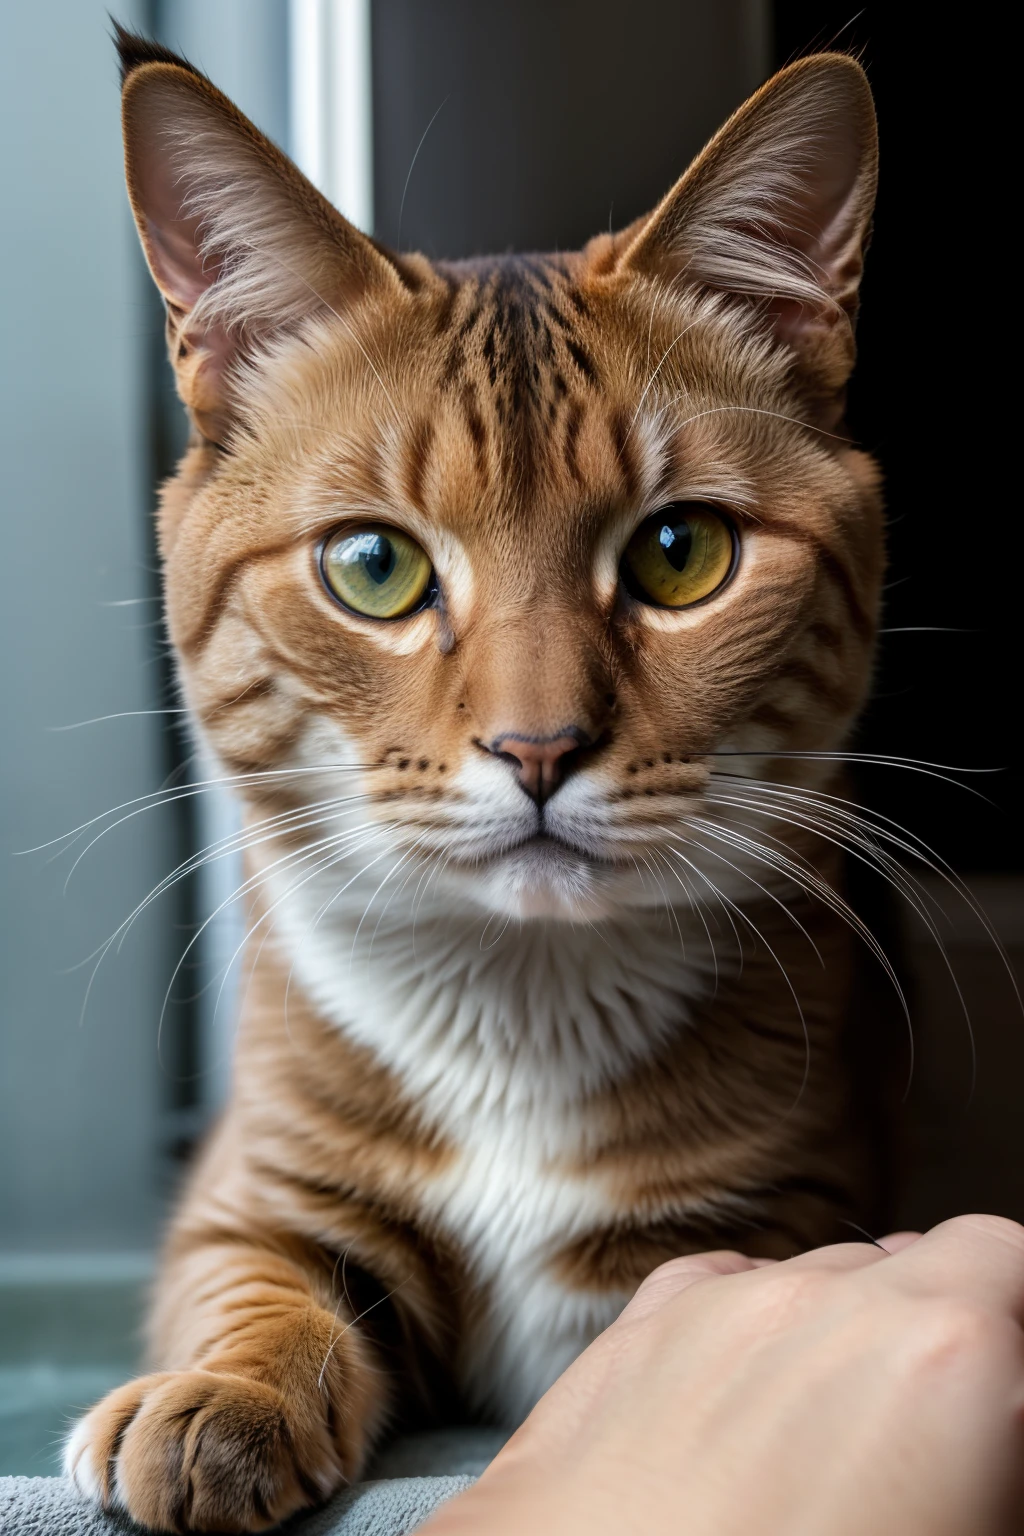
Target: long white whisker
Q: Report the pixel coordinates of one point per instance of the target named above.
(871, 760)
(695, 906)
(852, 821)
(908, 842)
(343, 846)
(410, 854)
(751, 410)
(340, 846)
(366, 1310)
(372, 899)
(123, 714)
(816, 886)
(744, 918)
(233, 842)
(650, 382)
(746, 875)
(291, 859)
(168, 797)
(238, 842)
(850, 839)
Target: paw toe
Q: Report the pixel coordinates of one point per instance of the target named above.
(195, 1450)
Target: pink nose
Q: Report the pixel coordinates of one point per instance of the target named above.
(539, 762)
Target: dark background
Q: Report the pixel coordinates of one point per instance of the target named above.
(928, 398)
(545, 122)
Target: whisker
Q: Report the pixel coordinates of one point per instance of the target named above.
(744, 918)
(123, 714)
(707, 826)
(365, 1312)
(814, 885)
(438, 870)
(697, 907)
(372, 899)
(871, 760)
(412, 167)
(237, 842)
(855, 835)
(650, 382)
(908, 842)
(359, 837)
(346, 844)
(412, 852)
(751, 410)
(119, 933)
(163, 797)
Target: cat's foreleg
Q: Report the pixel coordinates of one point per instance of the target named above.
(274, 1401)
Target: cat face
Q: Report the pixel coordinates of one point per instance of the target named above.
(482, 570)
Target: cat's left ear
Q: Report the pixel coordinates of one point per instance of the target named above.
(777, 209)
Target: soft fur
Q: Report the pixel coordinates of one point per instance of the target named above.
(495, 1062)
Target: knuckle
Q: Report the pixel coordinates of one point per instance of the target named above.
(993, 1228)
(949, 1330)
(677, 1274)
(794, 1290)
(667, 1275)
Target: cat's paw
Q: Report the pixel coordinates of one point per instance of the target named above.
(196, 1451)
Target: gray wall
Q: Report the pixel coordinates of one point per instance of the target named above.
(79, 1100)
(243, 46)
(88, 1103)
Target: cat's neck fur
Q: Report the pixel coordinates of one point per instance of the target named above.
(481, 1018)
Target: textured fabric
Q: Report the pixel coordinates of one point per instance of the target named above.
(416, 1475)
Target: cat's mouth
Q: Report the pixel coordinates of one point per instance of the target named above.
(542, 876)
(545, 849)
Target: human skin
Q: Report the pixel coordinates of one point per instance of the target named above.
(856, 1389)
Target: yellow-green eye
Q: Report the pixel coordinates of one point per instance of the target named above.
(679, 556)
(378, 572)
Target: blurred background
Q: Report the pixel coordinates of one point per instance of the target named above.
(452, 127)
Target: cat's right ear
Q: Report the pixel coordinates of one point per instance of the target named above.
(776, 212)
(240, 244)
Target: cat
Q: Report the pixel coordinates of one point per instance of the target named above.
(528, 602)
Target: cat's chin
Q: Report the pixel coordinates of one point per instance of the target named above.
(546, 879)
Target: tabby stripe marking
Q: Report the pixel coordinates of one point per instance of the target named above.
(417, 459)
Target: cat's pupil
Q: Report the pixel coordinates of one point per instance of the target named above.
(377, 558)
(676, 540)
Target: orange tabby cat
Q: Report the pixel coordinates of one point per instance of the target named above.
(529, 602)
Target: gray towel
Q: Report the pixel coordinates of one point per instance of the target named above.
(412, 1478)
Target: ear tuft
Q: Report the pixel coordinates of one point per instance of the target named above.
(134, 50)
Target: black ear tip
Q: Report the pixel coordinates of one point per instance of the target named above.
(133, 50)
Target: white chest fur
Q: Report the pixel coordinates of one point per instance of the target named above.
(500, 1038)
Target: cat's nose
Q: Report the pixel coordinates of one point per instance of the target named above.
(539, 761)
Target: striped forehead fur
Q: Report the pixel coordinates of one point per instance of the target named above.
(703, 384)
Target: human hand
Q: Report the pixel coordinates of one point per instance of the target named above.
(852, 1390)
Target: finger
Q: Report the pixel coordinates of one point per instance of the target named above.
(980, 1258)
(838, 1256)
(895, 1242)
(678, 1275)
